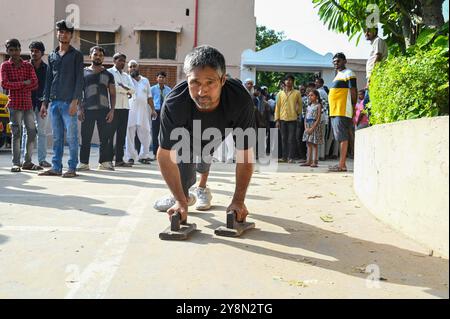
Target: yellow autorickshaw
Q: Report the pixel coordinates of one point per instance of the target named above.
(5, 128)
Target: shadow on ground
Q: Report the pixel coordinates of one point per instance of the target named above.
(3, 238)
(352, 255)
(24, 194)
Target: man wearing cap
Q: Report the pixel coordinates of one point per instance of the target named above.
(142, 110)
(249, 85)
(63, 94)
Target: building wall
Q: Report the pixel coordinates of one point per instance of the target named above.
(19, 20)
(230, 26)
(230, 35)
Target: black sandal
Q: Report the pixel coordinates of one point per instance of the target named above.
(69, 174)
(31, 167)
(50, 172)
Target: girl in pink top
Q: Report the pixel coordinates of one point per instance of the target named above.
(360, 120)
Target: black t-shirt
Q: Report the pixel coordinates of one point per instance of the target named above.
(236, 110)
(95, 89)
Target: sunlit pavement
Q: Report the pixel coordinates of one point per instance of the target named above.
(96, 236)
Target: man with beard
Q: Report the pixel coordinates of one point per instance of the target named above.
(63, 90)
(37, 50)
(217, 103)
(99, 100)
(139, 117)
(124, 92)
(342, 100)
(379, 53)
(249, 86)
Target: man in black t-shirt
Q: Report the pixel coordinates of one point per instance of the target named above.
(196, 117)
(99, 101)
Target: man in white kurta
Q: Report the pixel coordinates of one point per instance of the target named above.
(141, 112)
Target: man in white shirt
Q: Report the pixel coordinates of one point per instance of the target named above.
(124, 91)
(378, 53)
(141, 112)
(249, 85)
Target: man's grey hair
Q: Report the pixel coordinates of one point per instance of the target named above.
(205, 56)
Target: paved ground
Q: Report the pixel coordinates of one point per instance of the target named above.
(97, 237)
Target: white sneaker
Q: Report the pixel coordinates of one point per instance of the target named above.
(165, 203)
(83, 167)
(204, 198)
(106, 166)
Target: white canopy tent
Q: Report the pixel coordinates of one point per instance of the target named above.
(287, 56)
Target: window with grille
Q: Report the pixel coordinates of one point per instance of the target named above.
(158, 45)
(106, 40)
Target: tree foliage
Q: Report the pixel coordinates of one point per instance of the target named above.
(413, 85)
(266, 37)
(401, 20)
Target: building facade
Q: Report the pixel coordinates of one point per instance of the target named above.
(156, 34)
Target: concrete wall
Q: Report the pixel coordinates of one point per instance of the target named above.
(401, 176)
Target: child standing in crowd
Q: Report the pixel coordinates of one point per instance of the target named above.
(360, 120)
(313, 135)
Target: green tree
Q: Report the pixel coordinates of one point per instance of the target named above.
(265, 38)
(401, 20)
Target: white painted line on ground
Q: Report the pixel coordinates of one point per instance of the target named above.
(55, 229)
(96, 278)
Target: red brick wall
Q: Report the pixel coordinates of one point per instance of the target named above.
(150, 71)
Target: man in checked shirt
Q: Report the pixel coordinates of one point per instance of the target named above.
(19, 78)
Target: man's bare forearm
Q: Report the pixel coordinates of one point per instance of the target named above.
(244, 172)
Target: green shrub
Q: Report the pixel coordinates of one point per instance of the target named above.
(410, 87)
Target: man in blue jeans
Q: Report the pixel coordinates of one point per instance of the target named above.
(19, 78)
(63, 92)
(37, 50)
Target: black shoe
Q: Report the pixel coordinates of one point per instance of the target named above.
(131, 161)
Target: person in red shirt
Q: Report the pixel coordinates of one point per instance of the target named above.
(18, 77)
